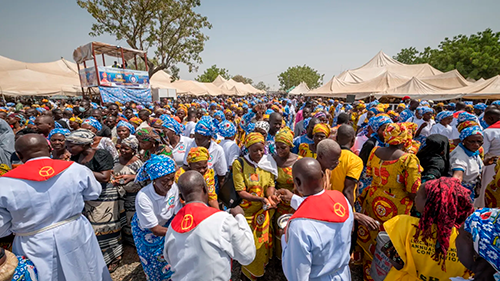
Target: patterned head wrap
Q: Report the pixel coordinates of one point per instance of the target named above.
(426, 109)
(136, 120)
(155, 122)
(254, 138)
(306, 122)
(285, 136)
(443, 114)
(156, 167)
(172, 124)
(227, 129)
(424, 103)
(220, 114)
(262, 125)
(197, 154)
(127, 125)
(229, 111)
(497, 102)
(485, 229)
(480, 106)
(321, 128)
(396, 134)
(64, 132)
(373, 104)
(81, 136)
(205, 127)
(411, 127)
(147, 134)
(320, 115)
(377, 121)
(375, 110)
(76, 119)
(465, 116)
(132, 142)
(401, 105)
(470, 131)
(93, 122)
(348, 107)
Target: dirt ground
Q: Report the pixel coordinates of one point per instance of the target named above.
(131, 270)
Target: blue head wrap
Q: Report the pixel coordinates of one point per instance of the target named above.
(424, 103)
(205, 127)
(11, 104)
(468, 103)
(377, 121)
(466, 116)
(452, 105)
(443, 114)
(227, 129)
(306, 122)
(220, 114)
(246, 122)
(269, 111)
(127, 125)
(156, 167)
(69, 109)
(348, 107)
(470, 131)
(426, 109)
(480, 106)
(57, 125)
(64, 132)
(172, 124)
(497, 102)
(93, 122)
(485, 230)
(373, 104)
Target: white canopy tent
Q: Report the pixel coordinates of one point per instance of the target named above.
(302, 88)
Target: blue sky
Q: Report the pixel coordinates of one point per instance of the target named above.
(261, 38)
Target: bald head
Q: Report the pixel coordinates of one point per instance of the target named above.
(491, 115)
(308, 176)
(328, 154)
(192, 187)
(31, 146)
(345, 135)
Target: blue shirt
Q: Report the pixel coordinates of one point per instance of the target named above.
(298, 140)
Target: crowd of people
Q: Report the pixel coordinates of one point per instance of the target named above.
(404, 191)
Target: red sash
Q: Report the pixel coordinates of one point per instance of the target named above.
(39, 170)
(331, 206)
(495, 126)
(190, 216)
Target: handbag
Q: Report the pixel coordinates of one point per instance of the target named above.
(227, 194)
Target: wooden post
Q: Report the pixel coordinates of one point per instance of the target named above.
(95, 65)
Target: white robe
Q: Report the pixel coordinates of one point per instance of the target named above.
(205, 252)
(67, 252)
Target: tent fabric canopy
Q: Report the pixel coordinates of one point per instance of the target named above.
(302, 88)
(84, 53)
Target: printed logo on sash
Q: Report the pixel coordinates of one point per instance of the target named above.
(339, 209)
(46, 171)
(187, 222)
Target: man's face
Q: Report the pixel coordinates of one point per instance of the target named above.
(86, 105)
(275, 124)
(113, 110)
(58, 114)
(111, 121)
(306, 112)
(97, 114)
(42, 125)
(202, 140)
(331, 161)
(129, 114)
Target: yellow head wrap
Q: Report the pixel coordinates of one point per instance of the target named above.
(396, 134)
(285, 136)
(76, 119)
(321, 128)
(254, 138)
(197, 154)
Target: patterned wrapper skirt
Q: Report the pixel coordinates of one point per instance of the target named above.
(150, 250)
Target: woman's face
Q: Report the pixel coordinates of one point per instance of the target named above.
(427, 116)
(318, 137)
(57, 141)
(123, 132)
(146, 145)
(446, 121)
(74, 125)
(129, 114)
(473, 143)
(200, 166)
(181, 114)
(202, 140)
(283, 150)
(89, 127)
(163, 184)
(261, 131)
(256, 151)
(126, 151)
(74, 149)
(369, 115)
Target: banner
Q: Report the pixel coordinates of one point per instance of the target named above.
(123, 95)
(88, 77)
(119, 77)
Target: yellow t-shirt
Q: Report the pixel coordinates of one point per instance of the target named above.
(209, 177)
(350, 166)
(417, 255)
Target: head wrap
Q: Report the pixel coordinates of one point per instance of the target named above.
(485, 229)
(402, 105)
(427, 110)
(465, 116)
(172, 124)
(127, 125)
(93, 122)
(227, 129)
(452, 105)
(220, 114)
(443, 114)
(147, 134)
(321, 128)
(374, 110)
(64, 132)
(497, 102)
(262, 125)
(81, 136)
(470, 131)
(396, 134)
(197, 154)
(411, 127)
(155, 121)
(131, 141)
(377, 121)
(206, 127)
(156, 167)
(76, 119)
(135, 120)
(320, 115)
(424, 103)
(254, 138)
(373, 104)
(480, 106)
(306, 122)
(285, 136)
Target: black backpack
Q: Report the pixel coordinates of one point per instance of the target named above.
(227, 194)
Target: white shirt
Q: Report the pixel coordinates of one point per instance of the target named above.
(447, 131)
(67, 252)
(217, 159)
(205, 252)
(189, 129)
(471, 166)
(153, 209)
(425, 131)
(231, 150)
(491, 143)
(317, 250)
(362, 119)
(179, 151)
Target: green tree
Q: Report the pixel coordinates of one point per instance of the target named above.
(174, 73)
(211, 73)
(475, 56)
(244, 80)
(261, 86)
(170, 27)
(294, 75)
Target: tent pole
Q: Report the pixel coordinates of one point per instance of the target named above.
(103, 61)
(123, 58)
